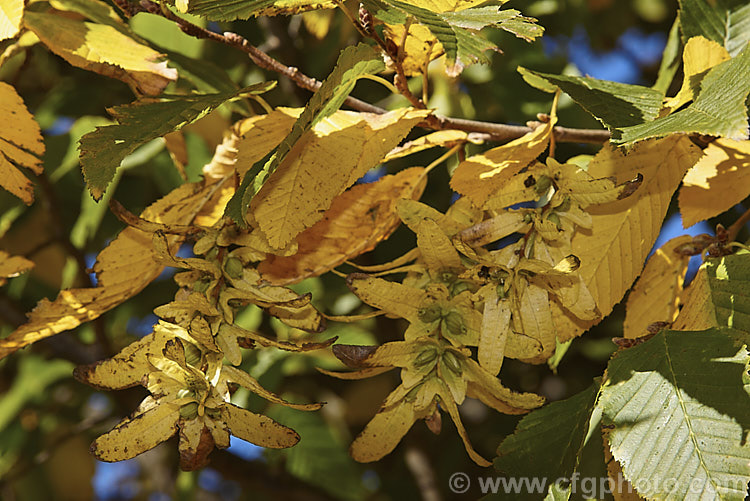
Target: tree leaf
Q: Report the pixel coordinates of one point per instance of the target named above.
(21, 145)
(655, 296)
(257, 429)
(12, 266)
(719, 181)
(480, 176)
(321, 165)
(680, 415)
(455, 28)
(719, 296)
(561, 426)
(103, 150)
(699, 55)
(613, 251)
(614, 104)
(229, 10)
(352, 64)
(11, 13)
(103, 49)
(131, 250)
(719, 109)
(670, 61)
(358, 219)
(133, 436)
(723, 21)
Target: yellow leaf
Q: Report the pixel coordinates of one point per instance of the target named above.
(318, 22)
(495, 228)
(452, 408)
(244, 379)
(698, 56)
(12, 266)
(419, 46)
(536, 317)
(133, 436)
(103, 49)
(322, 164)
(257, 429)
(613, 251)
(384, 431)
(720, 180)
(489, 389)
(358, 219)
(447, 5)
(436, 249)
(698, 312)
(127, 368)
(131, 250)
(394, 298)
(11, 13)
(495, 329)
(20, 144)
(481, 176)
(655, 296)
(442, 138)
(196, 442)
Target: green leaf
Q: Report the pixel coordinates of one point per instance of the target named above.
(724, 21)
(103, 150)
(320, 457)
(670, 60)
(724, 289)
(613, 104)
(719, 109)
(353, 63)
(456, 30)
(681, 415)
(558, 493)
(547, 442)
(229, 10)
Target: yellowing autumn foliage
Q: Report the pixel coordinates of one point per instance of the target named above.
(438, 258)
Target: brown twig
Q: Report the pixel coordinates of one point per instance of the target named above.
(492, 131)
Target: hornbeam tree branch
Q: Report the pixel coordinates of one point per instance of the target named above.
(489, 131)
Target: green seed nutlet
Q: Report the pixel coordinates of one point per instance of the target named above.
(192, 354)
(543, 184)
(201, 285)
(233, 267)
(451, 361)
(189, 410)
(454, 323)
(555, 219)
(430, 313)
(425, 358)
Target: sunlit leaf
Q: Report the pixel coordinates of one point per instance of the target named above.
(719, 109)
(725, 22)
(11, 13)
(614, 104)
(136, 435)
(352, 64)
(103, 150)
(719, 181)
(132, 249)
(20, 145)
(103, 49)
(358, 219)
(719, 296)
(340, 150)
(228, 10)
(682, 393)
(480, 176)
(699, 55)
